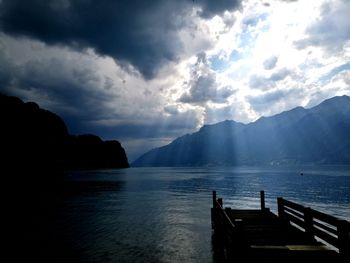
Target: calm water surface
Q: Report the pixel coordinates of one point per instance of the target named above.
(163, 214)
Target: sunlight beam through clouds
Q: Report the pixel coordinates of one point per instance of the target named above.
(270, 32)
(174, 66)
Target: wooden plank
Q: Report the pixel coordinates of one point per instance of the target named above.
(294, 212)
(293, 205)
(251, 214)
(326, 237)
(269, 247)
(295, 220)
(324, 217)
(327, 228)
(307, 247)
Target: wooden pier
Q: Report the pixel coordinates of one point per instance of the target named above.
(296, 233)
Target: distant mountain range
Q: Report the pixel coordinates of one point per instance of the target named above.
(319, 135)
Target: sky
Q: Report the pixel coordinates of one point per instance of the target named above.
(147, 72)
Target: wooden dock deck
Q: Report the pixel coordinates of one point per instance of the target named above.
(296, 233)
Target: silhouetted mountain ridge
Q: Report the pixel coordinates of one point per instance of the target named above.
(319, 135)
(36, 138)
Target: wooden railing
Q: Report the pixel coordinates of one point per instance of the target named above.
(225, 230)
(328, 228)
(219, 215)
(220, 212)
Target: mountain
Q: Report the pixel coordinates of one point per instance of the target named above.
(35, 150)
(90, 152)
(32, 137)
(319, 135)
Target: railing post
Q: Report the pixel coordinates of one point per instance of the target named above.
(308, 222)
(214, 198)
(343, 230)
(262, 200)
(280, 208)
(213, 212)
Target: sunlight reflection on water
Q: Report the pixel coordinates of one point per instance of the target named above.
(163, 214)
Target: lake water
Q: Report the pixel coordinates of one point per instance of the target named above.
(163, 214)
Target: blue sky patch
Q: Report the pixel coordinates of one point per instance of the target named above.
(218, 64)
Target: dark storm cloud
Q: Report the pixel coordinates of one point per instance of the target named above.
(121, 29)
(66, 88)
(211, 8)
(142, 33)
